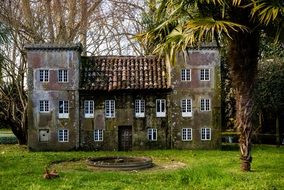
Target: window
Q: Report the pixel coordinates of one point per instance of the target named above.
(43, 106)
(187, 134)
(98, 135)
(161, 108)
(110, 108)
(205, 105)
(63, 109)
(186, 108)
(205, 134)
(152, 134)
(62, 76)
(139, 108)
(185, 75)
(63, 135)
(205, 74)
(89, 108)
(43, 75)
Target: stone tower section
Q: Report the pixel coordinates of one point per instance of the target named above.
(196, 116)
(53, 83)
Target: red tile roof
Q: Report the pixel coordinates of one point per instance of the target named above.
(110, 73)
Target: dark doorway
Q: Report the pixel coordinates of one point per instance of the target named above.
(125, 138)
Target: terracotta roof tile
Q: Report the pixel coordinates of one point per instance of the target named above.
(123, 73)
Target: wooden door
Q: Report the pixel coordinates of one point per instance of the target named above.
(125, 138)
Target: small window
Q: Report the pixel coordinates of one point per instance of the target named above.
(205, 74)
(63, 135)
(44, 135)
(161, 108)
(89, 108)
(152, 134)
(44, 75)
(139, 108)
(98, 135)
(110, 108)
(185, 74)
(187, 134)
(205, 105)
(62, 75)
(205, 134)
(63, 111)
(186, 108)
(43, 106)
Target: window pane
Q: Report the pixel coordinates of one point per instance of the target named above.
(187, 74)
(158, 102)
(63, 135)
(61, 106)
(110, 108)
(162, 106)
(66, 106)
(154, 134)
(183, 74)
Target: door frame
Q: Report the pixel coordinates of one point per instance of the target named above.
(120, 129)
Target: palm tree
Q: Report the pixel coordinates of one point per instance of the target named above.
(183, 23)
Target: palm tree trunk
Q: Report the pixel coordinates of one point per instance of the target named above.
(243, 53)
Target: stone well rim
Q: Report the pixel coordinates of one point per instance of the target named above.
(120, 162)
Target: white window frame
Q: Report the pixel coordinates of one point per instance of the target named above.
(186, 107)
(186, 134)
(98, 135)
(44, 106)
(44, 75)
(205, 74)
(64, 111)
(63, 135)
(161, 107)
(186, 75)
(205, 104)
(62, 75)
(89, 108)
(139, 108)
(152, 134)
(110, 108)
(205, 134)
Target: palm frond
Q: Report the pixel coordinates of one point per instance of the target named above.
(236, 2)
(215, 2)
(193, 33)
(205, 28)
(267, 11)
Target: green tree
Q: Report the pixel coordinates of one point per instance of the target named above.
(269, 88)
(183, 23)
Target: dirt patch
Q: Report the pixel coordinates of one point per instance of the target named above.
(172, 165)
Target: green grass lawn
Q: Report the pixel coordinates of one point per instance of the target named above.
(213, 169)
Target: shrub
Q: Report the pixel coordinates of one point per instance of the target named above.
(8, 140)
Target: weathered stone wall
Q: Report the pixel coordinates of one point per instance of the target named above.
(195, 90)
(124, 116)
(52, 59)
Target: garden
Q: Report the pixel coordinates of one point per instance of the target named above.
(173, 169)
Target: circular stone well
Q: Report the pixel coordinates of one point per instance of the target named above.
(120, 163)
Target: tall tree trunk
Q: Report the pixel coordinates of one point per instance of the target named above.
(243, 53)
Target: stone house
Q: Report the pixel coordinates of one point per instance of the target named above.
(122, 102)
